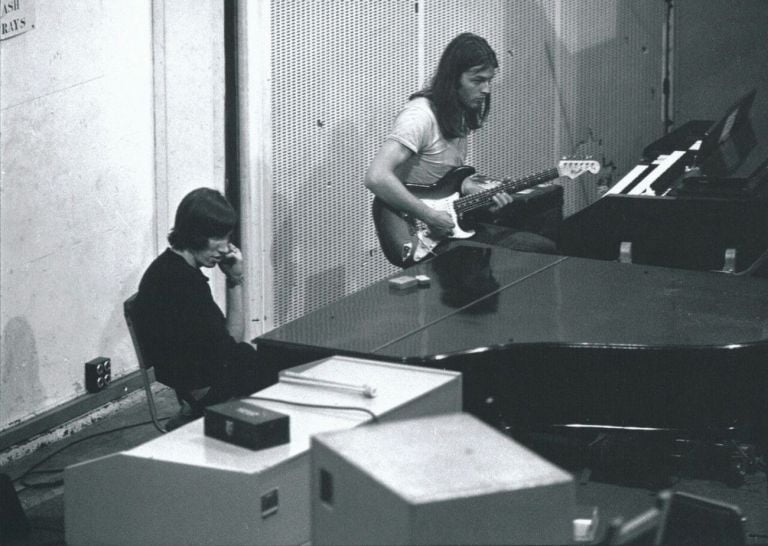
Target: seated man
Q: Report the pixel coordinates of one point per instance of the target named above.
(194, 348)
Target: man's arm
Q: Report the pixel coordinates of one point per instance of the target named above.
(232, 266)
(384, 183)
(235, 315)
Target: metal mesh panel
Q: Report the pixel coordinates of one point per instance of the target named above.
(518, 137)
(340, 70)
(575, 78)
(609, 101)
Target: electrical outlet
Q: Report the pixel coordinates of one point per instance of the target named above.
(98, 374)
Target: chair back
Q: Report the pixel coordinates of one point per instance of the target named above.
(145, 366)
(129, 312)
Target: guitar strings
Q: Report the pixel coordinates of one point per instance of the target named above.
(476, 200)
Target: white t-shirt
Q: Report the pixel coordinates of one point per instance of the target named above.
(417, 129)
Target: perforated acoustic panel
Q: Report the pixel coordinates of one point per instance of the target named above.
(609, 99)
(341, 70)
(576, 78)
(518, 137)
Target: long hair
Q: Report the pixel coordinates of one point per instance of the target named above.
(465, 51)
(203, 214)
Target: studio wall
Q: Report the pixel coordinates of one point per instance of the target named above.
(721, 54)
(76, 208)
(575, 79)
(110, 111)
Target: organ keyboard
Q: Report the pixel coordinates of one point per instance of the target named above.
(682, 205)
(644, 179)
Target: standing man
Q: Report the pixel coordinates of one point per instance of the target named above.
(194, 348)
(429, 139)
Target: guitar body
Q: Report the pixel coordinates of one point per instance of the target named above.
(404, 240)
(445, 204)
(396, 232)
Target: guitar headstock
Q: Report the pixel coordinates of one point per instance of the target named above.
(576, 167)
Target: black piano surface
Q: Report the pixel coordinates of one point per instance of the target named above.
(546, 339)
(699, 209)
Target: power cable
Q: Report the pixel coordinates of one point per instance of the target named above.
(374, 417)
(54, 483)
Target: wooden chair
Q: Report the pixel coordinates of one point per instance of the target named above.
(144, 366)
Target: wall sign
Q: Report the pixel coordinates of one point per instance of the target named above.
(16, 17)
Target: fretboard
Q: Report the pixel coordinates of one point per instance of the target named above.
(485, 197)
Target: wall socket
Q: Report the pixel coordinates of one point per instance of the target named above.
(98, 374)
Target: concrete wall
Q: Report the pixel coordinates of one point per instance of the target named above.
(721, 54)
(91, 170)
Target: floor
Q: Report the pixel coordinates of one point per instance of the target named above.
(43, 504)
(621, 477)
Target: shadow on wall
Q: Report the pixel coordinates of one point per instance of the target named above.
(115, 341)
(320, 224)
(20, 385)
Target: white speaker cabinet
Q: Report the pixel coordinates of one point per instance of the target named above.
(446, 479)
(186, 488)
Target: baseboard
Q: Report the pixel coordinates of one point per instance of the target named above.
(70, 410)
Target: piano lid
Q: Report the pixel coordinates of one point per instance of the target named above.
(377, 315)
(525, 298)
(581, 302)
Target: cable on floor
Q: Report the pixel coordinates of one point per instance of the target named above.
(54, 483)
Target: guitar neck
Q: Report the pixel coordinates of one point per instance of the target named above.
(484, 198)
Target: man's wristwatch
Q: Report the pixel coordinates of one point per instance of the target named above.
(233, 281)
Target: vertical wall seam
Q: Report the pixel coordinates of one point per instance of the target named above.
(421, 7)
(160, 118)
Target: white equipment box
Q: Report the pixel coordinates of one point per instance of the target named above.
(187, 488)
(446, 479)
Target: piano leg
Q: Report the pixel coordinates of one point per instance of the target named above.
(625, 252)
(729, 260)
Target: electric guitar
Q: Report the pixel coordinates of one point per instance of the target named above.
(405, 240)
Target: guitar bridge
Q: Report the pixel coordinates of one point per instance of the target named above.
(406, 252)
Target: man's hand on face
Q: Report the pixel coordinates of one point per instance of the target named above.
(232, 263)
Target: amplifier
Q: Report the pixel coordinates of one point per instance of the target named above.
(445, 479)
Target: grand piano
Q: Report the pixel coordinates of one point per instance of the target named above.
(547, 340)
(655, 316)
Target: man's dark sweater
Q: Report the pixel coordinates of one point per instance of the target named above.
(183, 332)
